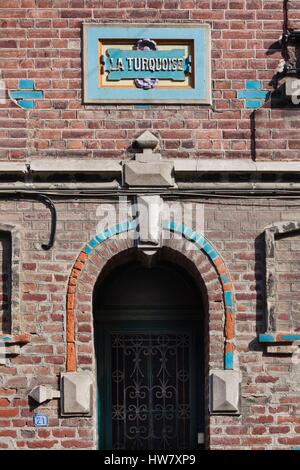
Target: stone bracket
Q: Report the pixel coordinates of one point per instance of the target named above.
(76, 394)
(148, 170)
(292, 88)
(41, 393)
(225, 392)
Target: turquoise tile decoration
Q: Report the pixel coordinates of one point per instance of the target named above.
(253, 85)
(229, 360)
(113, 55)
(275, 338)
(26, 94)
(228, 298)
(253, 104)
(142, 106)
(88, 250)
(26, 84)
(5, 338)
(99, 238)
(253, 95)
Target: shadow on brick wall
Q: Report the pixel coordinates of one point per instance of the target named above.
(260, 273)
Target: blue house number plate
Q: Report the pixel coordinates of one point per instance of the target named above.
(40, 420)
(147, 64)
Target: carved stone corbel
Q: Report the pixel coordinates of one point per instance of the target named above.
(148, 170)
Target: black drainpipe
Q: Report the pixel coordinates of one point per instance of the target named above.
(43, 199)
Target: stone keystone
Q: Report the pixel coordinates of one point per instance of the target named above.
(147, 140)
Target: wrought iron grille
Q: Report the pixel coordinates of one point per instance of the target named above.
(151, 391)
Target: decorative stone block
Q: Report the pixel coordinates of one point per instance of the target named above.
(148, 169)
(292, 87)
(225, 391)
(2, 353)
(148, 174)
(147, 140)
(76, 393)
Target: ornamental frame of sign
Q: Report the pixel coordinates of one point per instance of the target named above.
(145, 45)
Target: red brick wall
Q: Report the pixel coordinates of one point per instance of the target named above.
(270, 407)
(41, 40)
(270, 416)
(287, 262)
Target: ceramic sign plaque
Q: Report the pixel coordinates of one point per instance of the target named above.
(147, 64)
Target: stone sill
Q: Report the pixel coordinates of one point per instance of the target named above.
(277, 337)
(181, 165)
(22, 338)
(12, 345)
(280, 343)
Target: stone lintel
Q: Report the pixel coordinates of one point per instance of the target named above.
(8, 339)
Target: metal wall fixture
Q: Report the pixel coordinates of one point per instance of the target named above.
(292, 38)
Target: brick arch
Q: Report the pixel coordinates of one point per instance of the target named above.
(223, 278)
(106, 245)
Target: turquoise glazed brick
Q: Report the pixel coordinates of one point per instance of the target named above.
(229, 360)
(88, 249)
(228, 298)
(253, 104)
(93, 243)
(252, 94)
(253, 85)
(266, 338)
(26, 104)
(26, 95)
(26, 84)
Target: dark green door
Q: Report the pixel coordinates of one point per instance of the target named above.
(150, 377)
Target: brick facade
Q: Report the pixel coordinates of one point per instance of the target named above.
(41, 40)
(270, 386)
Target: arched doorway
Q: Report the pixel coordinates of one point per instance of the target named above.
(149, 332)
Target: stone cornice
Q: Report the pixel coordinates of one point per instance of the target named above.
(182, 174)
(181, 165)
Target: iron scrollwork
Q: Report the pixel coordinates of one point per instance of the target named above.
(151, 391)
